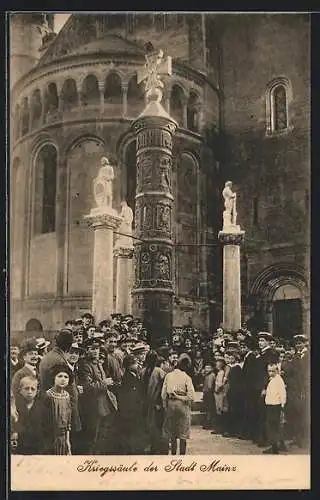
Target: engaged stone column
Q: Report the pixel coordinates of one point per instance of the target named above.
(124, 280)
(104, 220)
(153, 254)
(231, 237)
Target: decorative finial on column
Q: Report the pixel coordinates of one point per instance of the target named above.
(155, 66)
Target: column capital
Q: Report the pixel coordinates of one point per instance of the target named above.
(108, 220)
(125, 253)
(231, 238)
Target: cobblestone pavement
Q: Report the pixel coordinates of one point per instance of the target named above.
(202, 442)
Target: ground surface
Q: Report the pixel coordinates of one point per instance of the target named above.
(202, 442)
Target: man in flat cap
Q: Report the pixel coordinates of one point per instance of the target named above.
(98, 406)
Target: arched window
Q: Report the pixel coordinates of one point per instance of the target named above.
(25, 117)
(187, 238)
(69, 95)
(45, 190)
(16, 123)
(135, 96)
(112, 93)
(176, 103)
(51, 102)
(36, 109)
(193, 112)
(90, 91)
(277, 106)
(130, 175)
(34, 326)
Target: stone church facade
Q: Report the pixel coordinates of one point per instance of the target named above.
(239, 91)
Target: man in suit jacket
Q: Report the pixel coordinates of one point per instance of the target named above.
(15, 363)
(267, 356)
(29, 353)
(98, 405)
(249, 371)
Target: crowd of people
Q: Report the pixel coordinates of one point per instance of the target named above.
(107, 389)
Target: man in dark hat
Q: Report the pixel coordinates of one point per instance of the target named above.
(249, 370)
(267, 356)
(139, 351)
(87, 320)
(29, 354)
(98, 406)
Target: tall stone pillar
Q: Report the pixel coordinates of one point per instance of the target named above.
(153, 248)
(231, 279)
(104, 220)
(231, 238)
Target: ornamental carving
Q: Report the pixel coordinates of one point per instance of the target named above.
(145, 167)
(165, 173)
(164, 217)
(162, 267)
(145, 265)
(154, 138)
(231, 238)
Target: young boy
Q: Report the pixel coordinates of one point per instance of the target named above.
(275, 400)
(27, 431)
(208, 395)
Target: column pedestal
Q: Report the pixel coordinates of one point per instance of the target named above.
(103, 224)
(123, 279)
(231, 241)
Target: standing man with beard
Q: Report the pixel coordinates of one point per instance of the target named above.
(268, 356)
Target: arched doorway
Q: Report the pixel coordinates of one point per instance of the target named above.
(281, 300)
(287, 311)
(33, 326)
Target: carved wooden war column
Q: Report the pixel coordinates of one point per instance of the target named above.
(153, 250)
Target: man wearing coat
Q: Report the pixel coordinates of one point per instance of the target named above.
(98, 405)
(249, 370)
(267, 356)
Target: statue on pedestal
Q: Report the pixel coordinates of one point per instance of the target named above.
(124, 239)
(155, 66)
(102, 185)
(230, 211)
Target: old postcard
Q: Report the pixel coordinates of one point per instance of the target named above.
(159, 251)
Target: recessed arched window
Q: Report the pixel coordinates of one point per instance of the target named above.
(176, 103)
(90, 91)
(188, 230)
(135, 96)
(45, 190)
(277, 106)
(69, 95)
(25, 117)
(51, 101)
(193, 112)
(112, 93)
(34, 326)
(36, 109)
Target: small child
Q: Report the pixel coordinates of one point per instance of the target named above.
(208, 395)
(57, 413)
(27, 428)
(275, 400)
(221, 394)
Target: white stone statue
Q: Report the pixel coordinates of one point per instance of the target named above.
(102, 185)
(155, 66)
(125, 240)
(230, 210)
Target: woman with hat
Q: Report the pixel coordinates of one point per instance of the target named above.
(177, 395)
(57, 412)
